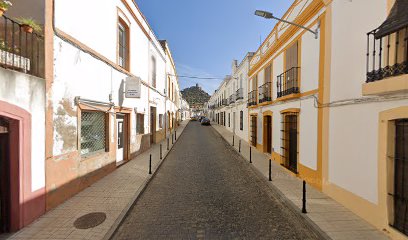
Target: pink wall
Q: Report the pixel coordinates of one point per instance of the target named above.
(26, 205)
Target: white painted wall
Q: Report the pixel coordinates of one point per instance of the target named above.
(79, 74)
(100, 32)
(353, 136)
(310, 56)
(28, 92)
(308, 134)
(349, 44)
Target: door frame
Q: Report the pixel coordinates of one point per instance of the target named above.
(26, 205)
(124, 131)
(127, 113)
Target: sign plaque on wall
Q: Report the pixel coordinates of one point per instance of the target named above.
(132, 87)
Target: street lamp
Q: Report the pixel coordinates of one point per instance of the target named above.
(269, 15)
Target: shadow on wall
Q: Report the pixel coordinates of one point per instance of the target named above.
(65, 192)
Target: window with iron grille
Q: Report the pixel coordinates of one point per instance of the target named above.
(253, 130)
(241, 120)
(160, 120)
(387, 45)
(123, 45)
(400, 194)
(93, 132)
(139, 123)
(289, 139)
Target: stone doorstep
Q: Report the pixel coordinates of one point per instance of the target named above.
(58, 222)
(331, 218)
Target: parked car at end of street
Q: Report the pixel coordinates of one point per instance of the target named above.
(205, 121)
(194, 118)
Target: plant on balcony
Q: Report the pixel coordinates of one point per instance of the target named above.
(4, 5)
(4, 47)
(29, 25)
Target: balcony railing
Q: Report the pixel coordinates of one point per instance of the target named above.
(19, 50)
(387, 56)
(231, 99)
(265, 92)
(240, 94)
(288, 82)
(252, 98)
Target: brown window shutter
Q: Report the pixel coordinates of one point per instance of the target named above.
(292, 56)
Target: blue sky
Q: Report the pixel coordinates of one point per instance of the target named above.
(206, 35)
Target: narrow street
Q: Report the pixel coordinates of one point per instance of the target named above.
(205, 190)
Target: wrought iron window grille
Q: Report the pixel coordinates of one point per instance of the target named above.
(387, 56)
(265, 92)
(289, 140)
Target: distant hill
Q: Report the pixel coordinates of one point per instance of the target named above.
(195, 95)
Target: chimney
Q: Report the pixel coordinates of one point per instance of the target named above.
(234, 66)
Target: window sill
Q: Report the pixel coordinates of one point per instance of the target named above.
(288, 97)
(94, 155)
(386, 86)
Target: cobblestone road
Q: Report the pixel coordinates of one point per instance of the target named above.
(204, 190)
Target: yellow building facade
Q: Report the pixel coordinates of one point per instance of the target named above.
(334, 110)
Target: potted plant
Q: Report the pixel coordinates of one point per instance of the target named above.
(4, 5)
(29, 25)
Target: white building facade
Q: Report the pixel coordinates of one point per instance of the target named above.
(228, 105)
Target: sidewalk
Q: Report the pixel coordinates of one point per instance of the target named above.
(334, 220)
(113, 195)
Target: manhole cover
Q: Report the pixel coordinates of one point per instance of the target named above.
(90, 220)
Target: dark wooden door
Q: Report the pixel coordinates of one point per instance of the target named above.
(401, 176)
(268, 120)
(152, 124)
(292, 142)
(4, 178)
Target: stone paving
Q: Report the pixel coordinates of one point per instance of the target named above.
(205, 190)
(113, 195)
(336, 221)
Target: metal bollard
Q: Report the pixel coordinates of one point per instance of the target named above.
(175, 135)
(250, 154)
(161, 155)
(233, 140)
(150, 164)
(270, 170)
(172, 139)
(239, 145)
(304, 198)
(167, 144)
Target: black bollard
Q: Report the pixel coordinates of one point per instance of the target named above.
(239, 145)
(233, 140)
(150, 164)
(161, 155)
(250, 154)
(270, 170)
(175, 135)
(304, 198)
(167, 144)
(172, 139)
